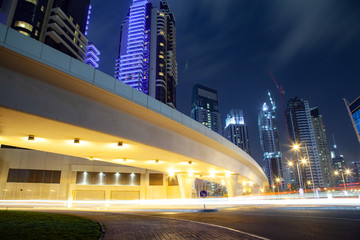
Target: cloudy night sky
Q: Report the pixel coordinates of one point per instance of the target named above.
(311, 46)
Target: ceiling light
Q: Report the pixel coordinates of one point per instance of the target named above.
(77, 140)
(120, 144)
(31, 138)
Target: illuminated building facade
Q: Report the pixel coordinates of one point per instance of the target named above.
(236, 130)
(338, 164)
(302, 132)
(354, 113)
(147, 52)
(269, 140)
(205, 108)
(61, 24)
(322, 147)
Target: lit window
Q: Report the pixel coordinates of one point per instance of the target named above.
(36, 32)
(71, 18)
(161, 56)
(24, 25)
(161, 44)
(25, 33)
(162, 14)
(161, 65)
(42, 8)
(32, 1)
(162, 32)
(38, 24)
(161, 74)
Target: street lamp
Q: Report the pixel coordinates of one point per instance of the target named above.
(291, 164)
(278, 182)
(347, 172)
(296, 147)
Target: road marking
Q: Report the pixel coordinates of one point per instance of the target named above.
(208, 224)
(218, 226)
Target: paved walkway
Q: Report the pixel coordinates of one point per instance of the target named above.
(129, 226)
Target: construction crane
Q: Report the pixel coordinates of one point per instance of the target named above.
(282, 93)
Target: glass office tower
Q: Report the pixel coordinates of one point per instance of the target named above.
(236, 130)
(205, 107)
(269, 139)
(147, 51)
(354, 113)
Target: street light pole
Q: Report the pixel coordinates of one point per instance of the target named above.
(312, 178)
(297, 166)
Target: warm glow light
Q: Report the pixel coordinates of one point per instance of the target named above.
(227, 173)
(212, 174)
(171, 173)
(31, 138)
(191, 173)
(347, 171)
(124, 160)
(222, 182)
(290, 164)
(77, 140)
(296, 147)
(91, 158)
(278, 180)
(336, 173)
(120, 144)
(303, 161)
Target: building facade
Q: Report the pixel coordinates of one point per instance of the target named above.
(269, 140)
(61, 24)
(338, 164)
(236, 131)
(147, 51)
(302, 133)
(322, 146)
(205, 108)
(354, 113)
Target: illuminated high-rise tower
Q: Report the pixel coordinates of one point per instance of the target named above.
(269, 139)
(205, 107)
(61, 24)
(236, 130)
(147, 52)
(305, 128)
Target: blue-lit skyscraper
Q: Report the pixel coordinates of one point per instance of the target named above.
(354, 113)
(236, 130)
(269, 140)
(147, 52)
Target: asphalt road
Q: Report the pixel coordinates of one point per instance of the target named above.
(232, 223)
(282, 223)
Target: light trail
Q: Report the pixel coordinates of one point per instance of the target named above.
(184, 204)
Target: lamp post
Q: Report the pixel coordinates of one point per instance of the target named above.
(278, 182)
(291, 164)
(296, 147)
(347, 171)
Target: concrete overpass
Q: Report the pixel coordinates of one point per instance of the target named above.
(57, 99)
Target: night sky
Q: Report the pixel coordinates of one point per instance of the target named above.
(311, 46)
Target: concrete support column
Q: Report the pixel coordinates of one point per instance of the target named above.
(185, 184)
(231, 183)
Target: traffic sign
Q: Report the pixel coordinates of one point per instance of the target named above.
(203, 194)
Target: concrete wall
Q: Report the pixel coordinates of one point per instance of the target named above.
(68, 189)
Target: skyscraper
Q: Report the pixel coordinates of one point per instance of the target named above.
(61, 24)
(147, 52)
(354, 113)
(322, 147)
(302, 133)
(338, 164)
(269, 140)
(236, 130)
(205, 107)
